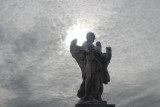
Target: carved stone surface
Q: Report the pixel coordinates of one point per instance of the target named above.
(93, 64)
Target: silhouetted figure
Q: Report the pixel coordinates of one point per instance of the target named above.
(93, 64)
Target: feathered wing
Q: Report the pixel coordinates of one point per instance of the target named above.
(78, 53)
(105, 73)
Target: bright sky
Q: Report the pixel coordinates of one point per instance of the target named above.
(36, 69)
(78, 32)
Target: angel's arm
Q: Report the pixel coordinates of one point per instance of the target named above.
(85, 47)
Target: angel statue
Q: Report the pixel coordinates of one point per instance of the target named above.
(93, 64)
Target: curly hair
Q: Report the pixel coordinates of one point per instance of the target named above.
(90, 34)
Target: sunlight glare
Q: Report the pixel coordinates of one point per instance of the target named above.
(76, 32)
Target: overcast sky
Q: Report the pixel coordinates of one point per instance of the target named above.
(37, 70)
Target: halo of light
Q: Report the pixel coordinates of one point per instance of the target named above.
(76, 32)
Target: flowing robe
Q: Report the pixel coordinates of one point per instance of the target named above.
(93, 65)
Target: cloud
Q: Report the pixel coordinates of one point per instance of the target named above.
(37, 70)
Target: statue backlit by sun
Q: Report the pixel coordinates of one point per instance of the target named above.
(93, 64)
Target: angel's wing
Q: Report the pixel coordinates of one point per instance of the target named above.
(79, 54)
(105, 73)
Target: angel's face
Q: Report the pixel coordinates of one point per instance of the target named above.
(90, 38)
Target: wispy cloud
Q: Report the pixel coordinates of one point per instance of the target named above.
(36, 69)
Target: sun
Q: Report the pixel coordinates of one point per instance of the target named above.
(76, 32)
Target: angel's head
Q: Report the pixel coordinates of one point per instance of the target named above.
(90, 37)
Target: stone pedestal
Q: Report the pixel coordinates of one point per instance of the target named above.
(95, 105)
